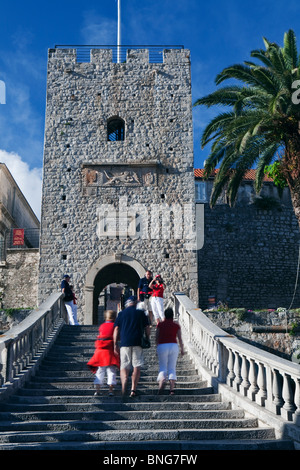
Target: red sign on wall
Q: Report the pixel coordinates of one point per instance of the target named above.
(18, 236)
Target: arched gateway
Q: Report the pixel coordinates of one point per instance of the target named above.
(118, 179)
(108, 270)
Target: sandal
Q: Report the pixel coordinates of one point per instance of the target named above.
(132, 394)
(172, 392)
(162, 386)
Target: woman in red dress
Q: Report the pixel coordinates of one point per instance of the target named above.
(104, 359)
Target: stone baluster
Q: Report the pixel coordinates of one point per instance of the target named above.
(268, 403)
(190, 328)
(14, 353)
(288, 408)
(253, 389)
(20, 354)
(297, 401)
(261, 395)
(30, 343)
(201, 345)
(210, 352)
(277, 393)
(215, 357)
(230, 365)
(3, 366)
(23, 351)
(28, 350)
(205, 352)
(198, 340)
(244, 372)
(237, 371)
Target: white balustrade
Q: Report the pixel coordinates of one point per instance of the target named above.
(23, 344)
(269, 381)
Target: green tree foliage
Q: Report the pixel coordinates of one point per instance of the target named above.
(259, 123)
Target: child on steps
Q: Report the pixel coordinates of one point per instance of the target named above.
(104, 360)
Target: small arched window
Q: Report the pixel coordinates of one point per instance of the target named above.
(115, 129)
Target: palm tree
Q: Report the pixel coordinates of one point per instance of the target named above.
(262, 125)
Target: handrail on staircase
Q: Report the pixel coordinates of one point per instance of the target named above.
(257, 379)
(24, 345)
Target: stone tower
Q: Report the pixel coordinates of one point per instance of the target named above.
(118, 179)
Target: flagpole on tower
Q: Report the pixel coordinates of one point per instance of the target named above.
(119, 31)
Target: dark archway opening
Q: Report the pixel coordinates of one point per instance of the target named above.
(124, 280)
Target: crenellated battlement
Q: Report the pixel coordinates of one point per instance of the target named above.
(120, 54)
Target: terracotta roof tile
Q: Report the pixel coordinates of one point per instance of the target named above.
(249, 175)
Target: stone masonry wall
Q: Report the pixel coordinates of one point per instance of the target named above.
(81, 166)
(249, 257)
(19, 279)
(276, 331)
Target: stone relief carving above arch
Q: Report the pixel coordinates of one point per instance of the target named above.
(96, 176)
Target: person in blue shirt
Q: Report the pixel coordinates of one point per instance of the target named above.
(130, 325)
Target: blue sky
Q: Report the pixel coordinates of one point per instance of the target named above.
(218, 33)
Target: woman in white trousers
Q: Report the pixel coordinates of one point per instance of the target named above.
(157, 299)
(168, 333)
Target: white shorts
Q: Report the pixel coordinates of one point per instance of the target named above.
(131, 356)
(145, 305)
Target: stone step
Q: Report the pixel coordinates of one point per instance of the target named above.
(57, 408)
(146, 401)
(146, 394)
(84, 376)
(141, 449)
(113, 405)
(82, 367)
(103, 432)
(146, 387)
(185, 369)
(234, 418)
(81, 360)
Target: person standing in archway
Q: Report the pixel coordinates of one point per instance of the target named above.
(68, 300)
(144, 294)
(130, 325)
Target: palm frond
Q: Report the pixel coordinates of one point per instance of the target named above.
(224, 97)
(290, 49)
(239, 72)
(215, 127)
(266, 80)
(260, 54)
(277, 59)
(262, 117)
(214, 158)
(266, 158)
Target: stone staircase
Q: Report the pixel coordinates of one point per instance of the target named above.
(57, 410)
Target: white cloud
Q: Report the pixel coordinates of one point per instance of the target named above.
(22, 117)
(98, 30)
(28, 180)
